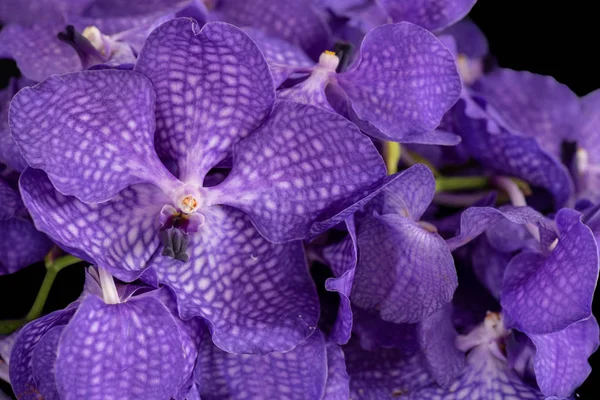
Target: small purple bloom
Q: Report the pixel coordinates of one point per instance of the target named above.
(391, 261)
(62, 36)
(399, 89)
(506, 151)
(122, 208)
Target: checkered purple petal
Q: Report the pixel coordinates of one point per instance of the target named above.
(213, 88)
(91, 132)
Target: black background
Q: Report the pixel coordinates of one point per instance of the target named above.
(550, 38)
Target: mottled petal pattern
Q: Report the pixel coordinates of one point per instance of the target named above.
(92, 132)
(403, 270)
(256, 296)
(120, 235)
(342, 258)
(284, 58)
(476, 220)
(299, 168)
(43, 359)
(408, 195)
(21, 375)
(430, 14)
(536, 105)
(508, 153)
(546, 294)
(437, 336)
(338, 381)
(384, 374)
(405, 82)
(295, 375)
(213, 87)
(561, 358)
(297, 22)
(130, 350)
(485, 377)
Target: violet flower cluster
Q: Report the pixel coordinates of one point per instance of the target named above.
(306, 200)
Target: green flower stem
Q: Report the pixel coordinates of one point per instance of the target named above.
(53, 267)
(452, 183)
(392, 153)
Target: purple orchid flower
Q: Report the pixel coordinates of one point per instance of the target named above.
(399, 89)
(506, 151)
(391, 261)
(118, 345)
(122, 207)
(313, 370)
(126, 342)
(21, 244)
(560, 331)
(61, 36)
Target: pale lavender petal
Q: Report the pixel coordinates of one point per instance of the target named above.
(92, 132)
(536, 105)
(296, 375)
(546, 294)
(342, 258)
(384, 374)
(338, 381)
(489, 265)
(484, 377)
(256, 296)
(21, 245)
(42, 361)
(120, 235)
(37, 51)
(437, 338)
(21, 375)
(561, 358)
(430, 14)
(409, 195)
(508, 153)
(284, 58)
(405, 82)
(507, 236)
(469, 39)
(213, 88)
(404, 270)
(127, 350)
(476, 220)
(298, 22)
(299, 168)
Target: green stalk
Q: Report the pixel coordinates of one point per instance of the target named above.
(53, 267)
(452, 183)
